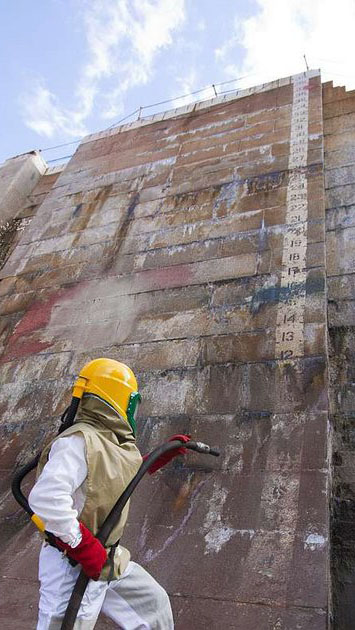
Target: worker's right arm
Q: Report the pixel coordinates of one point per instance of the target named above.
(52, 499)
(61, 479)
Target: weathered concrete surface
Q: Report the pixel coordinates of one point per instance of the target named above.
(18, 177)
(192, 248)
(339, 128)
(23, 186)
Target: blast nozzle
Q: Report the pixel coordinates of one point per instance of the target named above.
(200, 447)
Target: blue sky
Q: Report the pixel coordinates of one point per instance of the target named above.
(72, 67)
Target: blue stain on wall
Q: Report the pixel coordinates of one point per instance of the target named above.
(275, 294)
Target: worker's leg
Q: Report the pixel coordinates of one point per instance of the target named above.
(58, 579)
(137, 602)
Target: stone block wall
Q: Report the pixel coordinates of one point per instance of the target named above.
(339, 144)
(192, 247)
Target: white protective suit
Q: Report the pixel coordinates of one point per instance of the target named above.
(135, 601)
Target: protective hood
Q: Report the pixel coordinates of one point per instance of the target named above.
(97, 413)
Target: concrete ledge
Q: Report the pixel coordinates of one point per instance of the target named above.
(195, 107)
(18, 177)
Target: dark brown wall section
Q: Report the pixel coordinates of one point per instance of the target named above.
(339, 144)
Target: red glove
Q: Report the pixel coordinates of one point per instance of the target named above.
(167, 457)
(90, 553)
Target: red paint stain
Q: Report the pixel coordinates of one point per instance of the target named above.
(21, 348)
(37, 318)
(169, 277)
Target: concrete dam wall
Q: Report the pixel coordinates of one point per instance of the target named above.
(192, 246)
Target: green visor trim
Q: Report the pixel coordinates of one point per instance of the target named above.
(132, 410)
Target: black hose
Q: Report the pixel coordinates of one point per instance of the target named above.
(69, 415)
(113, 517)
(17, 480)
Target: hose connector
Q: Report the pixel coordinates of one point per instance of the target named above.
(38, 522)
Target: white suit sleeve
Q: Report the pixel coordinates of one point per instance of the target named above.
(52, 495)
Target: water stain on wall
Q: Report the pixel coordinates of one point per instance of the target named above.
(120, 234)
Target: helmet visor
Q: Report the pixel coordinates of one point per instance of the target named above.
(132, 410)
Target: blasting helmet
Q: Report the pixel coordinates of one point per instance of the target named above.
(113, 382)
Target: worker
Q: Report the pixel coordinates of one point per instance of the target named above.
(80, 475)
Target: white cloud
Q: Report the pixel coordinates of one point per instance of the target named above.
(124, 38)
(45, 115)
(201, 25)
(280, 33)
(186, 85)
(227, 47)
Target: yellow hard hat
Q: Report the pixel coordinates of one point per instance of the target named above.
(113, 382)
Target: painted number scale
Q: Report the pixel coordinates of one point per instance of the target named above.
(290, 314)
